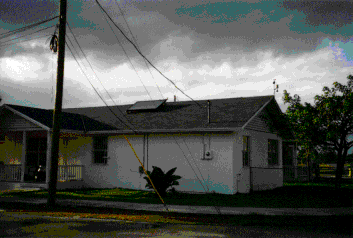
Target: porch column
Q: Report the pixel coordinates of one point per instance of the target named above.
(48, 157)
(23, 159)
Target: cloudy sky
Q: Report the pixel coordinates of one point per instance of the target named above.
(210, 49)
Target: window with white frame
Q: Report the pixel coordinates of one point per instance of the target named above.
(272, 152)
(100, 150)
(246, 151)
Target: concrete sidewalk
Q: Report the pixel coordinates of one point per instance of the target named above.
(191, 209)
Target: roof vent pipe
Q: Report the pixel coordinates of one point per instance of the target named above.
(209, 111)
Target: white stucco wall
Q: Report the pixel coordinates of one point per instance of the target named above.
(121, 168)
(263, 175)
(164, 152)
(215, 175)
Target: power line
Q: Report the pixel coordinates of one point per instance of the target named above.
(25, 40)
(173, 84)
(130, 122)
(93, 69)
(145, 56)
(127, 57)
(26, 27)
(27, 34)
(96, 89)
(135, 132)
(135, 41)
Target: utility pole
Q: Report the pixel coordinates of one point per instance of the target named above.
(53, 175)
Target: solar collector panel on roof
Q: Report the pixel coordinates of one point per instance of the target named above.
(147, 105)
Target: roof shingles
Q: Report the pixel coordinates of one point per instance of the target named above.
(69, 121)
(224, 113)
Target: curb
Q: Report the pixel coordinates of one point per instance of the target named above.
(194, 210)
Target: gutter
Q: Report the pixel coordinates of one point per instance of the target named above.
(229, 129)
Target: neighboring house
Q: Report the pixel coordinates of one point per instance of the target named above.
(215, 141)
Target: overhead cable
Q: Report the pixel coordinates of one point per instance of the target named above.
(25, 28)
(27, 34)
(96, 89)
(135, 41)
(145, 56)
(25, 40)
(127, 57)
(93, 69)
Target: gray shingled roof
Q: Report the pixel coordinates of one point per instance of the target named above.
(225, 113)
(69, 121)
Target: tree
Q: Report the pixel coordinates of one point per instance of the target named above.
(326, 125)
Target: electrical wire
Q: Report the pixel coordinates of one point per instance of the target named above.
(157, 85)
(25, 40)
(9, 33)
(127, 57)
(135, 41)
(27, 34)
(145, 56)
(165, 204)
(135, 131)
(96, 89)
(129, 122)
(94, 71)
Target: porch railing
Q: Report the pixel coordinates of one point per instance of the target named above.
(291, 173)
(70, 172)
(303, 172)
(10, 172)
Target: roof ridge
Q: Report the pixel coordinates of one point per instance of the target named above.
(203, 100)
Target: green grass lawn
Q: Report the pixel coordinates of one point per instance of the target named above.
(292, 195)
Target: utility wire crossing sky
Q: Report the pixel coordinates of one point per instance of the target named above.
(210, 50)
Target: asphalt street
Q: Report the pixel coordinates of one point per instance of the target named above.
(15, 224)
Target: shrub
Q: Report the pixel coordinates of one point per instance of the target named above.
(162, 181)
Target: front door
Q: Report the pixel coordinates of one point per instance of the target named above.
(36, 156)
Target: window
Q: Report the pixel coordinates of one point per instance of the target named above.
(272, 152)
(246, 151)
(100, 150)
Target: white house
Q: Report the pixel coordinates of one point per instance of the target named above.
(221, 145)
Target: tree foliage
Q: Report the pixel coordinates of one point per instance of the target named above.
(325, 126)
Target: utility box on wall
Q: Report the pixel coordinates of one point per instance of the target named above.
(208, 155)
